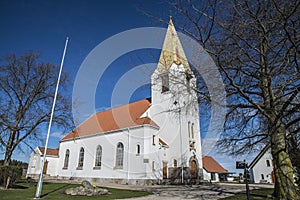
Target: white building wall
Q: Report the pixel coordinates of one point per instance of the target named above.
(261, 169)
(35, 163)
(207, 176)
(134, 166)
(52, 165)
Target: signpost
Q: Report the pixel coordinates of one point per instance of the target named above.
(244, 165)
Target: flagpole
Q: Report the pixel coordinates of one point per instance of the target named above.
(40, 182)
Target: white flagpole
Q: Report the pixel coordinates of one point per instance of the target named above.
(40, 183)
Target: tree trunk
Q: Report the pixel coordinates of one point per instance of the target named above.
(8, 154)
(284, 173)
(9, 148)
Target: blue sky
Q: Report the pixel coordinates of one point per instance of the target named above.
(44, 25)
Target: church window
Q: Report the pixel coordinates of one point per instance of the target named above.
(81, 158)
(98, 156)
(188, 78)
(175, 163)
(268, 163)
(66, 161)
(153, 165)
(262, 177)
(192, 130)
(138, 150)
(165, 82)
(189, 129)
(153, 139)
(120, 155)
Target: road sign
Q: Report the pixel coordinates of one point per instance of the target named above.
(240, 165)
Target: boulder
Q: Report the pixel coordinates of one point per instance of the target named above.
(86, 191)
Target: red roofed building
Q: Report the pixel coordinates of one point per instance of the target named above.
(35, 162)
(143, 140)
(212, 170)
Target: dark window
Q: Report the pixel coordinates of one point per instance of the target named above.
(98, 156)
(66, 162)
(138, 149)
(119, 155)
(192, 130)
(175, 163)
(213, 176)
(262, 177)
(153, 165)
(268, 163)
(189, 129)
(153, 139)
(165, 82)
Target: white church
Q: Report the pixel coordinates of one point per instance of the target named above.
(141, 142)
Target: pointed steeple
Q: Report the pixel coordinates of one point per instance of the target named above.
(172, 51)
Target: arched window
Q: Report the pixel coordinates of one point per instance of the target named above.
(138, 150)
(175, 163)
(153, 165)
(66, 162)
(98, 156)
(81, 158)
(192, 130)
(120, 155)
(189, 129)
(165, 82)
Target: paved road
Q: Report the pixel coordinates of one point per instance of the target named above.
(205, 192)
(201, 192)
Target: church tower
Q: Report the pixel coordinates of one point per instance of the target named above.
(175, 108)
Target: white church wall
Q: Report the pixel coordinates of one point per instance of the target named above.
(133, 163)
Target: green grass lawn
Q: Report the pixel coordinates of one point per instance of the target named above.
(55, 191)
(254, 194)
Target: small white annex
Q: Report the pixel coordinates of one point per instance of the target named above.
(212, 170)
(35, 162)
(261, 168)
(147, 140)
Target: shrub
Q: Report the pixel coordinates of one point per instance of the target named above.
(14, 172)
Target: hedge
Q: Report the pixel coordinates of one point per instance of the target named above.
(14, 172)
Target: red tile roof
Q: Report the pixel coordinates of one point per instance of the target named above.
(50, 152)
(211, 165)
(117, 118)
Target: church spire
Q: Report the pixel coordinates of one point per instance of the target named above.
(172, 51)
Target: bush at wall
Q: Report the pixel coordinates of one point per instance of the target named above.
(14, 172)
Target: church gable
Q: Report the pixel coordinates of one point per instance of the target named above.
(114, 119)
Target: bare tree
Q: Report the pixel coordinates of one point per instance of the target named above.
(255, 44)
(27, 88)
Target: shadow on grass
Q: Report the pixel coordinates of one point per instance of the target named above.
(54, 190)
(19, 187)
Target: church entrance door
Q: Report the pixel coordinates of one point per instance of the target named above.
(165, 167)
(45, 167)
(194, 169)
